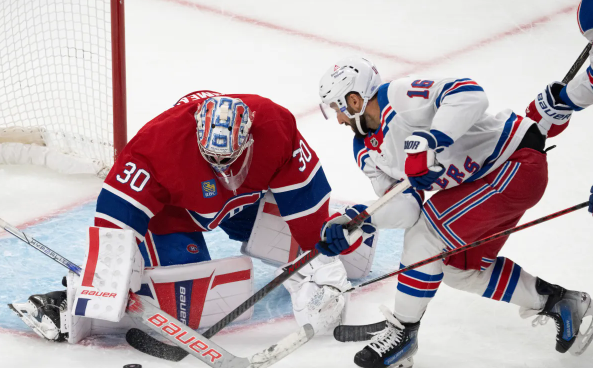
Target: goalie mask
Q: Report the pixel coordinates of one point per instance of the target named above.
(354, 74)
(223, 126)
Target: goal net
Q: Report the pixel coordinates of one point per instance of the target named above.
(62, 83)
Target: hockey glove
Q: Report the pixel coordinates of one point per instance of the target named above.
(549, 111)
(591, 201)
(422, 167)
(335, 239)
(585, 19)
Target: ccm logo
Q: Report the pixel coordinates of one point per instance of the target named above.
(172, 329)
(97, 293)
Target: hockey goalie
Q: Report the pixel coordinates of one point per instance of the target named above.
(236, 162)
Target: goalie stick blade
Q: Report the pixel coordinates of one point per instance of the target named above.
(284, 347)
(147, 344)
(350, 333)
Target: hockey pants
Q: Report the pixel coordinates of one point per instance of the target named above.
(464, 214)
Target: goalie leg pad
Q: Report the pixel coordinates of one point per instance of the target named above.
(200, 294)
(113, 265)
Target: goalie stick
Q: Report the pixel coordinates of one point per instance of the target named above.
(346, 333)
(187, 339)
(142, 341)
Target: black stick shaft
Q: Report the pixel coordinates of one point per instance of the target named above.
(577, 64)
(277, 281)
(291, 269)
(474, 244)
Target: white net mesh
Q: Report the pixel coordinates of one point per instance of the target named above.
(55, 74)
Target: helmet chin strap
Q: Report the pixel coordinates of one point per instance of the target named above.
(359, 127)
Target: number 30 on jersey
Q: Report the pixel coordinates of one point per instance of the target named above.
(138, 181)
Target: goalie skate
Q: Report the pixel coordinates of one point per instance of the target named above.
(42, 314)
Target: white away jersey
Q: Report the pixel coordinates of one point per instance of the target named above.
(472, 143)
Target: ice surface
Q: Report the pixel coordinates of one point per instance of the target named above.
(279, 49)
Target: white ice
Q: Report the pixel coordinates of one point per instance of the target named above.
(280, 49)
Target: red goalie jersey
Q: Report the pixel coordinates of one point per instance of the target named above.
(160, 181)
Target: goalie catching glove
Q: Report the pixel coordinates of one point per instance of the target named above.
(335, 239)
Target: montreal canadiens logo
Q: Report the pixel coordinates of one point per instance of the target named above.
(193, 249)
(374, 142)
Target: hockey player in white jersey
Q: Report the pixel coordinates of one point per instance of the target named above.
(487, 171)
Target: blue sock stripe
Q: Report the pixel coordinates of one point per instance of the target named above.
(415, 292)
(494, 278)
(514, 280)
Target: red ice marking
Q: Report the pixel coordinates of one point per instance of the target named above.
(293, 32)
(93, 256)
(54, 213)
(456, 54)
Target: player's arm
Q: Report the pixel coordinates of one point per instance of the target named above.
(578, 93)
(552, 108)
(400, 212)
(458, 104)
(131, 195)
(301, 191)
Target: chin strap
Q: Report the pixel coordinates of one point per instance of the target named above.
(358, 125)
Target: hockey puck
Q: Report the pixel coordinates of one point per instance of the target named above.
(133, 366)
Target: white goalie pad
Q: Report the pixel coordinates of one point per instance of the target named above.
(272, 242)
(270, 239)
(200, 294)
(112, 266)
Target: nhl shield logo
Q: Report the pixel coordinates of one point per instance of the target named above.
(209, 188)
(374, 142)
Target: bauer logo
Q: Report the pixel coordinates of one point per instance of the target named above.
(209, 188)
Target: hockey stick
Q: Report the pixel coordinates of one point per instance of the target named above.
(347, 333)
(140, 340)
(577, 64)
(175, 331)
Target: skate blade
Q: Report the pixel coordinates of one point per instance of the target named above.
(583, 340)
(27, 318)
(406, 363)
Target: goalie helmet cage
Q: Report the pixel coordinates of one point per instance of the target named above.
(62, 84)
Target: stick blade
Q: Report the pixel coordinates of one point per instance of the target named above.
(351, 333)
(147, 344)
(282, 348)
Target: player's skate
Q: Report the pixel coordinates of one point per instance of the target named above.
(42, 313)
(392, 347)
(567, 308)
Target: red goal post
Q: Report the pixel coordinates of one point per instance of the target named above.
(62, 84)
